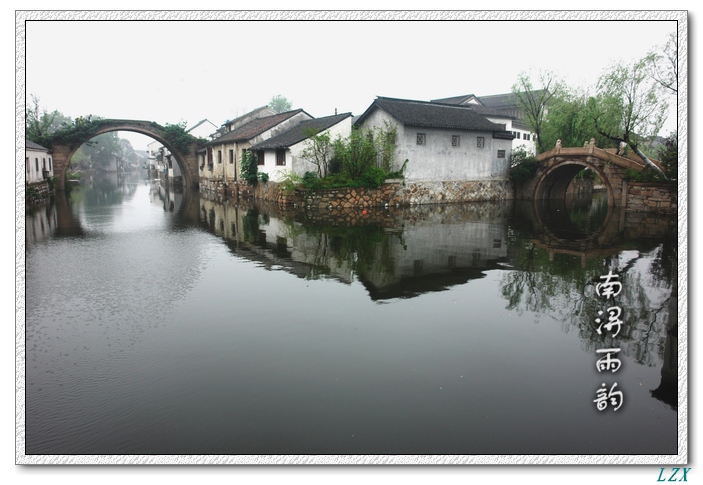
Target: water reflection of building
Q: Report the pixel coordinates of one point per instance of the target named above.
(40, 223)
(436, 253)
(170, 198)
(425, 249)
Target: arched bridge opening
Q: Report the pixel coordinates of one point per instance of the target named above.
(555, 182)
(184, 155)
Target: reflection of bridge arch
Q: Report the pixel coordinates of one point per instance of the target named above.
(560, 165)
(553, 217)
(558, 235)
(186, 159)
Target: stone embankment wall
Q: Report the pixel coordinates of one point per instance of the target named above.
(41, 190)
(391, 194)
(651, 197)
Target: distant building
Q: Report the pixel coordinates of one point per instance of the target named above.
(161, 160)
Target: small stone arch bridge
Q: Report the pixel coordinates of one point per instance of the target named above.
(185, 157)
(560, 165)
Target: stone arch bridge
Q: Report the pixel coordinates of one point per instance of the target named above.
(186, 157)
(560, 165)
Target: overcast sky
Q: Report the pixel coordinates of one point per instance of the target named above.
(173, 71)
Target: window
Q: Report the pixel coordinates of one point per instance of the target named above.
(231, 156)
(260, 158)
(501, 153)
(528, 137)
(219, 157)
(420, 138)
(36, 165)
(480, 141)
(49, 163)
(455, 140)
(281, 156)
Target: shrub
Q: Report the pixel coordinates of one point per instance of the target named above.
(290, 181)
(312, 181)
(249, 167)
(373, 177)
(263, 177)
(523, 166)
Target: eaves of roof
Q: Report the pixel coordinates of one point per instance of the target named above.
(255, 127)
(300, 132)
(431, 115)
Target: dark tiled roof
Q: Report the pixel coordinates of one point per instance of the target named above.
(486, 111)
(300, 132)
(30, 145)
(454, 99)
(250, 113)
(254, 127)
(432, 115)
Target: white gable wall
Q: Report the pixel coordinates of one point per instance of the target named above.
(294, 162)
(438, 160)
(36, 162)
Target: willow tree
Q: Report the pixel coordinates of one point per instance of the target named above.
(629, 107)
(664, 64)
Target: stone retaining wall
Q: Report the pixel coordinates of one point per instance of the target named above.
(41, 189)
(455, 191)
(395, 194)
(651, 197)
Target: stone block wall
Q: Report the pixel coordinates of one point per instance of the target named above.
(455, 191)
(395, 194)
(651, 197)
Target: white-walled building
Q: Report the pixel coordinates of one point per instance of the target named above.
(442, 142)
(39, 166)
(503, 109)
(282, 154)
(220, 161)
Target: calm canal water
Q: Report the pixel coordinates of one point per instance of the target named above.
(158, 323)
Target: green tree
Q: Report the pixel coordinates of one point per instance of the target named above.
(80, 159)
(357, 153)
(103, 148)
(669, 156)
(318, 150)
(249, 167)
(534, 102)
(385, 139)
(39, 123)
(569, 121)
(629, 107)
(280, 104)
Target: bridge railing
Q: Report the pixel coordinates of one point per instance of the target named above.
(631, 161)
